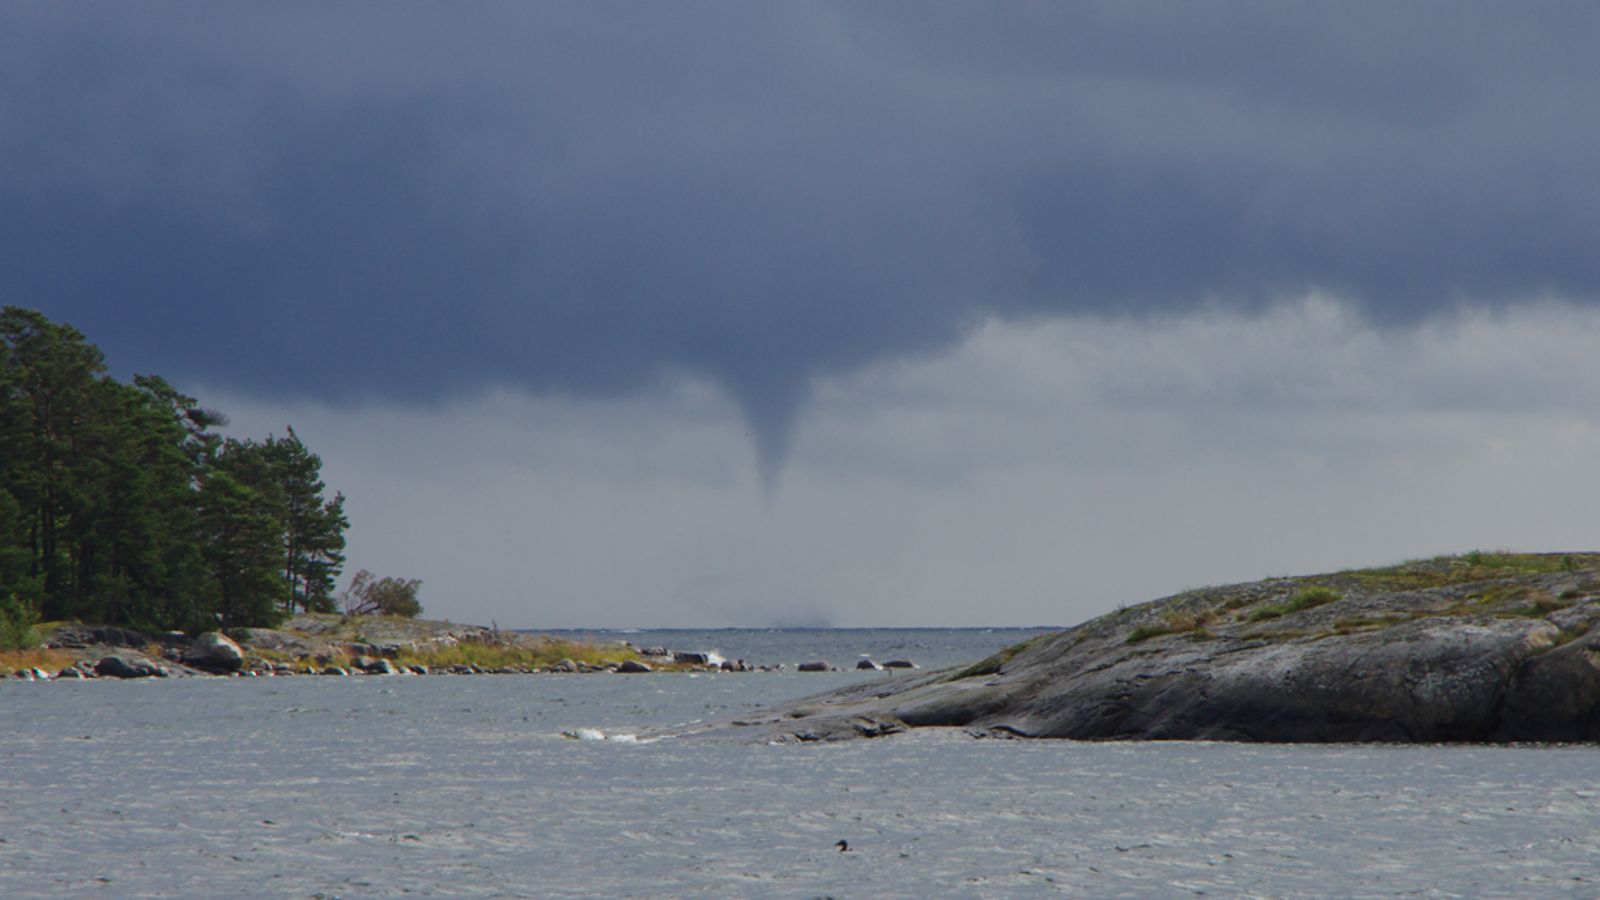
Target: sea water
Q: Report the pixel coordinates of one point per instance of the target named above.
(388, 785)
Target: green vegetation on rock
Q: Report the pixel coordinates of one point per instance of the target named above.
(1306, 598)
(993, 664)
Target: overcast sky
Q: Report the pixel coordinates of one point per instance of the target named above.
(633, 314)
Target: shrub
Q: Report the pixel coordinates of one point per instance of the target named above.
(1146, 632)
(1172, 623)
(1312, 596)
(16, 626)
(369, 595)
(1306, 598)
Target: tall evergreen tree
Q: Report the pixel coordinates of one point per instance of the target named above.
(289, 476)
(118, 503)
(48, 376)
(239, 538)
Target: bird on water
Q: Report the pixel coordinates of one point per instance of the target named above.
(843, 846)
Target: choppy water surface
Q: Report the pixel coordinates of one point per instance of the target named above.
(387, 785)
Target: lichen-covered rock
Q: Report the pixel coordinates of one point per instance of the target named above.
(1445, 650)
(284, 643)
(214, 652)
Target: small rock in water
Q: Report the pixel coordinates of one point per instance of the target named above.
(867, 665)
(899, 664)
(816, 666)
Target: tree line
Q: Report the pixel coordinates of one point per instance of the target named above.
(120, 504)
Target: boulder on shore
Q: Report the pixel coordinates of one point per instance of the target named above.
(214, 652)
(128, 665)
(1482, 648)
(376, 666)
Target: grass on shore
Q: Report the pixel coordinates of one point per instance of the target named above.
(520, 652)
(52, 661)
(525, 653)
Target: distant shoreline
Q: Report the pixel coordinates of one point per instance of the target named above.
(341, 645)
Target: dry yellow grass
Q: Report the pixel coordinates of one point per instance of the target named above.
(533, 653)
(51, 661)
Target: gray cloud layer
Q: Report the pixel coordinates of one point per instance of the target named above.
(414, 201)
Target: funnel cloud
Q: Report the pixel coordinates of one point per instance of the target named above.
(411, 203)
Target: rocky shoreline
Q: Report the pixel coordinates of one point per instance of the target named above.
(1492, 648)
(333, 645)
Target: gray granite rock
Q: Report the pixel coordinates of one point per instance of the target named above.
(127, 665)
(214, 652)
(1345, 657)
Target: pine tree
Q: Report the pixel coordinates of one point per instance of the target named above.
(119, 504)
(312, 529)
(239, 536)
(47, 375)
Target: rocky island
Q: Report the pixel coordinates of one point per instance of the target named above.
(1477, 648)
(332, 644)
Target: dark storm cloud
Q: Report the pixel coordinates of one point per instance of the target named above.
(404, 201)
